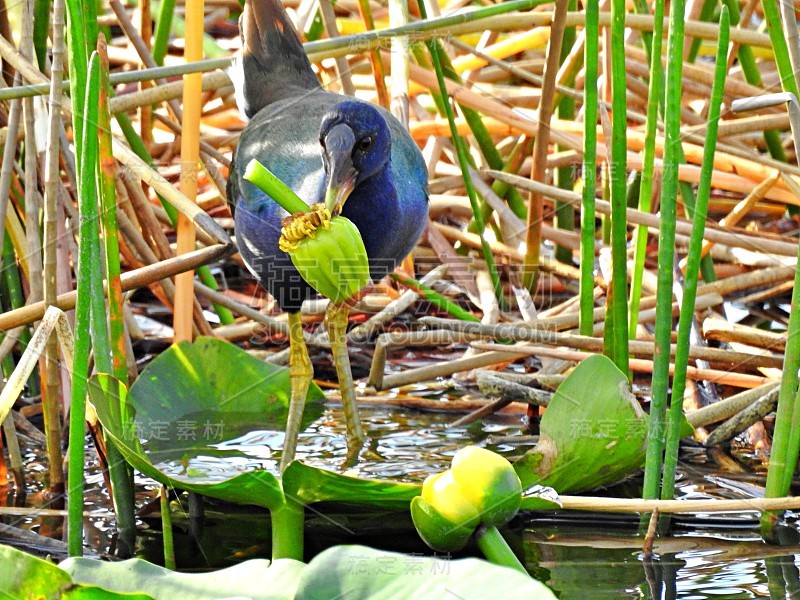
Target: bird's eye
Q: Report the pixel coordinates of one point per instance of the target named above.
(365, 143)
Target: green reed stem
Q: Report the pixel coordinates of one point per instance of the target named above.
(783, 459)
(752, 75)
(108, 220)
(81, 36)
(89, 236)
(463, 160)
(780, 49)
(654, 92)
(565, 212)
(693, 261)
(591, 50)
(41, 29)
(119, 472)
(163, 27)
(666, 252)
(617, 301)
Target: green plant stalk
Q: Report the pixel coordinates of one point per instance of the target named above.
(83, 338)
(747, 61)
(163, 26)
(565, 212)
(591, 49)
(693, 262)
(124, 501)
(654, 92)
(706, 265)
(81, 40)
(260, 176)
(782, 460)
(780, 49)
(666, 253)
(118, 469)
(496, 549)
(435, 298)
(463, 161)
(288, 522)
(41, 28)
(166, 529)
(108, 221)
(706, 16)
(618, 302)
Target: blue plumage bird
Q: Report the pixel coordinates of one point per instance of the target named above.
(320, 144)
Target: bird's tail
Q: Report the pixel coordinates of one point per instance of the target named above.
(273, 64)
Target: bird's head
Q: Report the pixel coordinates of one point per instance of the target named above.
(356, 144)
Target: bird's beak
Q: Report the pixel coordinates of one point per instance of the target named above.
(341, 173)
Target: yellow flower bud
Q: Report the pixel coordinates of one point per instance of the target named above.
(489, 482)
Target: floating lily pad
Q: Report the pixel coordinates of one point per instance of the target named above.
(339, 572)
(185, 412)
(592, 434)
(307, 484)
(179, 424)
(25, 576)
(256, 579)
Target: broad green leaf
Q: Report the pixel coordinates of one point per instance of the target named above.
(593, 432)
(308, 484)
(256, 579)
(187, 406)
(209, 389)
(339, 572)
(23, 576)
(110, 399)
(368, 574)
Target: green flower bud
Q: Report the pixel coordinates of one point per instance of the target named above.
(327, 251)
(436, 531)
(489, 482)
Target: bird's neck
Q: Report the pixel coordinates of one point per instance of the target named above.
(372, 206)
(376, 192)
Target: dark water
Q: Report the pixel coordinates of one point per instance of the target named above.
(579, 555)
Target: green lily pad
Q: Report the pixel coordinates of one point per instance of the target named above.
(339, 572)
(593, 432)
(365, 573)
(256, 579)
(190, 406)
(307, 484)
(25, 576)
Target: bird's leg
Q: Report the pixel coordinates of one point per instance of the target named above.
(336, 321)
(300, 374)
